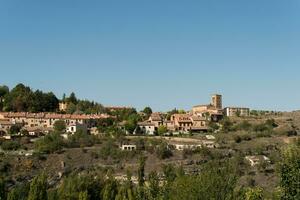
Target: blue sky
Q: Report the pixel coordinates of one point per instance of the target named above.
(164, 54)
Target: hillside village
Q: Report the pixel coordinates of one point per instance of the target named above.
(196, 120)
(81, 137)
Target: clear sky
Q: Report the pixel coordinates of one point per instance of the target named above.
(161, 53)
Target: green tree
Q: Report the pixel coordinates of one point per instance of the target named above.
(38, 188)
(71, 108)
(169, 172)
(50, 143)
(290, 173)
(226, 125)
(4, 90)
(213, 126)
(163, 151)
(141, 178)
(125, 192)
(131, 122)
(83, 196)
(147, 111)
(72, 98)
(254, 194)
(14, 129)
(217, 181)
(20, 192)
(22, 99)
(141, 171)
(271, 123)
(10, 145)
(64, 97)
(80, 186)
(162, 130)
(153, 185)
(110, 189)
(2, 190)
(59, 126)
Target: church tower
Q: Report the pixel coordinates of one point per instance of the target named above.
(216, 101)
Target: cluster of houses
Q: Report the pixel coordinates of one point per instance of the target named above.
(196, 120)
(43, 123)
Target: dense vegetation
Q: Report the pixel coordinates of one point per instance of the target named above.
(23, 99)
(217, 180)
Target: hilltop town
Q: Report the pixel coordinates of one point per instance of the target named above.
(194, 121)
(71, 136)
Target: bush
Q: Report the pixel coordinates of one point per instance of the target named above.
(243, 126)
(109, 149)
(261, 128)
(10, 145)
(227, 125)
(50, 143)
(80, 139)
(291, 133)
(162, 130)
(237, 139)
(163, 151)
(14, 129)
(264, 134)
(59, 126)
(269, 125)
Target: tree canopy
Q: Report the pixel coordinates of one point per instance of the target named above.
(23, 99)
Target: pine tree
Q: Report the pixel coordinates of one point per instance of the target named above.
(83, 196)
(153, 185)
(38, 188)
(2, 190)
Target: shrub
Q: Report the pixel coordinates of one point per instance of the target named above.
(237, 139)
(244, 126)
(80, 139)
(163, 151)
(10, 145)
(50, 143)
(59, 126)
(264, 134)
(227, 125)
(111, 150)
(162, 130)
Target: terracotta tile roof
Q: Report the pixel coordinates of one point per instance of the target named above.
(146, 123)
(182, 117)
(156, 117)
(54, 115)
(17, 114)
(198, 118)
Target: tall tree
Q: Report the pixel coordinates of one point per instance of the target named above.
(147, 111)
(72, 98)
(254, 194)
(4, 90)
(290, 173)
(110, 189)
(141, 171)
(20, 192)
(153, 185)
(38, 188)
(2, 190)
(59, 125)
